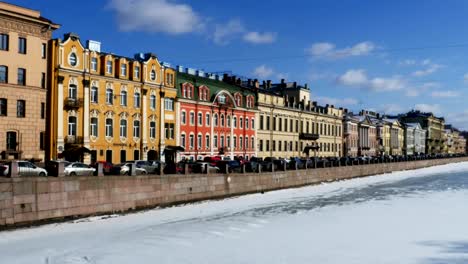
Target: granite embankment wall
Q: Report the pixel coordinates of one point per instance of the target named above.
(29, 200)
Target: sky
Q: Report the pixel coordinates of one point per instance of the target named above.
(386, 56)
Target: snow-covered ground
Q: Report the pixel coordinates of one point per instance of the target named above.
(405, 217)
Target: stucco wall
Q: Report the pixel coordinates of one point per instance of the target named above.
(31, 199)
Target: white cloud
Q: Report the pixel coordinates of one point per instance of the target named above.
(358, 78)
(337, 102)
(445, 94)
(260, 38)
(155, 16)
(431, 68)
(433, 108)
(416, 91)
(328, 50)
(391, 109)
(407, 62)
(263, 72)
(224, 33)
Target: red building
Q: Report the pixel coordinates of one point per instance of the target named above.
(215, 118)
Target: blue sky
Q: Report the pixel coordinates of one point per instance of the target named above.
(389, 56)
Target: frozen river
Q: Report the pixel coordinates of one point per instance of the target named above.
(405, 217)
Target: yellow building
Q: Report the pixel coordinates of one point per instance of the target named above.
(290, 125)
(113, 107)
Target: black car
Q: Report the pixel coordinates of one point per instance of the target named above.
(233, 166)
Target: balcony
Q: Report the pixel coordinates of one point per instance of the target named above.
(73, 140)
(73, 103)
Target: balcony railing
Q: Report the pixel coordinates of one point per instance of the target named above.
(73, 103)
(73, 140)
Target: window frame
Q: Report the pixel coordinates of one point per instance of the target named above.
(4, 73)
(3, 107)
(4, 42)
(22, 73)
(93, 127)
(21, 108)
(22, 45)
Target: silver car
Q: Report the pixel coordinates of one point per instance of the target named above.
(25, 168)
(79, 169)
(125, 169)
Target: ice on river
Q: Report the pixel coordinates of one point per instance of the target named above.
(418, 216)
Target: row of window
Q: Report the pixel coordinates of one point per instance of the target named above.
(12, 141)
(109, 68)
(20, 108)
(216, 121)
(188, 91)
(241, 143)
(280, 124)
(22, 45)
(21, 76)
(289, 146)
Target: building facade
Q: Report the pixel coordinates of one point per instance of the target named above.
(24, 36)
(106, 107)
(217, 118)
(350, 135)
(415, 139)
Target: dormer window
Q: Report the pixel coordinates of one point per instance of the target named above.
(153, 75)
(94, 64)
(72, 59)
(123, 70)
(222, 99)
(136, 72)
(109, 67)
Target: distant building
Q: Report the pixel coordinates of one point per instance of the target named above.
(24, 34)
(415, 139)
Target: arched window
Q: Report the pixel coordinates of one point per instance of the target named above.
(192, 118)
(200, 119)
(109, 67)
(136, 100)
(123, 98)
(207, 119)
(72, 91)
(153, 101)
(215, 119)
(123, 128)
(240, 122)
(234, 121)
(152, 129)
(136, 128)
(94, 94)
(3, 74)
(183, 117)
(246, 123)
(109, 127)
(222, 120)
(109, 96)
(228, 119)
(93, 127)
(72, 126)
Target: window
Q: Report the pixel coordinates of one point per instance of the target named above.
(3, 74)
(207, 141)
(228, 139)
(192, 118)
(123, 98)
(235, 141)
(3, 107)
(123, 128)
(241, 120)
(136, 128)
(247, 123)
(207, 119)
(169, 79)
(199, 142)
(94, 94)
(42, 140)
(246, 142)
(152, 129)
(22, 45)
(222, 141)
(72, 59)
(4, 41)
(267, 145)
(109, 96)
(268, 123)
(190, 92)
(228, 121)
(136, 100)
(20, 108)
(43, 110)
(109, 127)
(153, 75)
(234, 120)
(94, 64)
(253, 124)
(200, 119)
(261, 145)
(169, 130)
(21, 76)
(93, 127)
(183, 117)
(169, 104)
(43, 80)
(153, 101)
(215, 141)
(136, 72)
(72, 91)
(123, 70)
(241, 142)
(109, 67)
(182, 140)
(192, 141)
(72, 126)
(253, 143)
(215, 119)
(11, 141)
(222, 120)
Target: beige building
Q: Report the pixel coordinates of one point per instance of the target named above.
(24, 34)
(290, 125)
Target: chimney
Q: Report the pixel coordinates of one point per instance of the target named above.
(295, 84)
(306, 86)
(308, 105)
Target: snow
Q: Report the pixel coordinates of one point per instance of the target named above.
(404, 217)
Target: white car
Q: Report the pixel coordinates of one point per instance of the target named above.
(79, 169)
(25, 168)
(125, 169)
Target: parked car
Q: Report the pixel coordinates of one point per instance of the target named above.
(125, 169)
(79, 169)
(25, 168)
(233, 166)
(268, 164)
(252, 165)
(212, 160)
(200, 167)
(52, 166)
(149, 167)
(157, 164)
